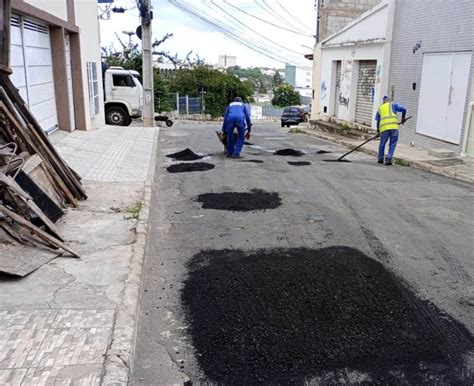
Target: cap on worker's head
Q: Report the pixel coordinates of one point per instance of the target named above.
(386, 98)
(237, 99)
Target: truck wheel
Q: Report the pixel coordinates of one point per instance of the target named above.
(169, 122)
(117, 116)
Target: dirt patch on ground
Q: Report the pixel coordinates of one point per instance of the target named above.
(255, 161)
(289, 152)
(334, 315)
(240, 202)
(190, 167)
(185, 155)
(299, 163)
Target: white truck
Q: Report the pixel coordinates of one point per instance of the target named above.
(123, 93)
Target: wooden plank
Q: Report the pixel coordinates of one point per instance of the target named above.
(37, 231)
(31, 163)
(12, 184)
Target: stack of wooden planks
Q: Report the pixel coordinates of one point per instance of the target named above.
(36, 184)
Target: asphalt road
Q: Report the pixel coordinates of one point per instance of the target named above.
(418, 226)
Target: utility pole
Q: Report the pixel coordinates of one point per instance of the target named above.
(148, 96)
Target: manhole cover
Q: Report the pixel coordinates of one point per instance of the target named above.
(299, 163)
(190, 167)
(240, 202)
(289, 316)
(185, 155)
(289, 152)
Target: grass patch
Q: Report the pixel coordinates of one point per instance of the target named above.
(345, 126)
(134, 210)
(401, 162)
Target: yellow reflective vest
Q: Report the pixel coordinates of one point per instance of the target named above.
(388, 119)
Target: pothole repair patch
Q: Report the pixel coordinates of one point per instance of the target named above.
(289, 152)
(240, 202)
(255, 161)
(190, 167)
(185, 155)
(290, 316)
(299, 163)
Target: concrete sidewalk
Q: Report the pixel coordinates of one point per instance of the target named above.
(459, 168)
(72, 321)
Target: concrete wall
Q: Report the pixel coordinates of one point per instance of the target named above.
(87, 21)
(437, 26)
(56, 8)
(335, 14)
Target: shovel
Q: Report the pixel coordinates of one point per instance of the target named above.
(363, 143)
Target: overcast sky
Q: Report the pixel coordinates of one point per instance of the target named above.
(286, 40)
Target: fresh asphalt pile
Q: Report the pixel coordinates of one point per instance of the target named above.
(255, 161)
(185, 155)
(190, 167)
(299, 163)
(288, 316)
(240, 201)
(289, 152)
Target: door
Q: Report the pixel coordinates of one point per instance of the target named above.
(67, 50)
(442, 99)
(365, 92)
(338, 88)
(125, 89)
(33, 65)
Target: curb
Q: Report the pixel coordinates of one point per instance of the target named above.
(415, 164)
(119, 356)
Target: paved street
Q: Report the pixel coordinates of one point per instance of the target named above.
(419, 226)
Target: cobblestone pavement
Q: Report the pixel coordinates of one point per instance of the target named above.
(57, 324)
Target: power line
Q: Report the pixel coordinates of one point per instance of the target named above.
(289, 14)
(265, 21)
(230, 34)
(257, 33)
(269, 9)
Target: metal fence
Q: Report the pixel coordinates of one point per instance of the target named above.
(189, 105)
(271, 112)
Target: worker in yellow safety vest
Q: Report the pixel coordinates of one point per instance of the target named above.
(387, 127)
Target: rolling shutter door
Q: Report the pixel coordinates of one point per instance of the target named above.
(32, 60)
(338, 88)
(365, 92)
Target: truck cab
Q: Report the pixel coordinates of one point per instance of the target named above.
(123, 93)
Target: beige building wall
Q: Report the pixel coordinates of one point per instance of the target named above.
(56, 8)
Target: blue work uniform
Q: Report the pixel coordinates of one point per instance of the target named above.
(391, 134)
(236, 115)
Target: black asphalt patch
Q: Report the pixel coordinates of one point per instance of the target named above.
(190, 167)
(240, 202)
(289, 152)
(336, 160)
(322, 152)
(185, 155)
(256, 161)
(288, 316)
(299, 163)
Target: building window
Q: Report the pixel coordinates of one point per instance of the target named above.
(93, 88)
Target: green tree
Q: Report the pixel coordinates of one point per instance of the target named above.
(285, 95)
(222, 88)
(277, 79)
(163, 97)
(262, 82)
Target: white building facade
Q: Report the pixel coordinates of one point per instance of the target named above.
(355, 66)
(56, 62)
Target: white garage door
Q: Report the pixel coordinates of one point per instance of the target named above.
(33, 69)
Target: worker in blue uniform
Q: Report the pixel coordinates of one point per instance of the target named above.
(387, 128)
(236, 116)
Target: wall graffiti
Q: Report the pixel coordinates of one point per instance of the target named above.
(323, 90)
(346, 76)
(367, 79)
(378, 78)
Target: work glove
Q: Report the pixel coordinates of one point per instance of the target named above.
(247, 135)
(378, 134)
(403, 120)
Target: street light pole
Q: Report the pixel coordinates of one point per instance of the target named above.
(130, 34)
(148, 97)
